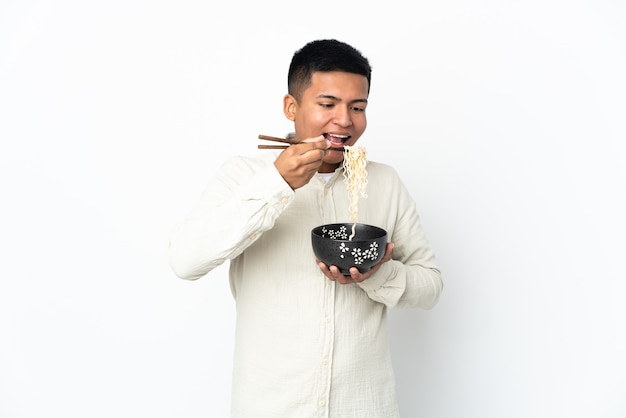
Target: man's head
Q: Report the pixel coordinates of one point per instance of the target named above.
(329, 83)
(324, 55)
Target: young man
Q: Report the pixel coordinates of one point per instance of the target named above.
(310, 341)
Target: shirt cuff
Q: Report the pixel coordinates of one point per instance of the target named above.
(377, 280)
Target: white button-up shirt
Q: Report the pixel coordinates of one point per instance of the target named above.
(306, 346)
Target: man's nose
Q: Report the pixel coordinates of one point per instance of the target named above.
(343, 117)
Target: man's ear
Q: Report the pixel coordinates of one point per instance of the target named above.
(290, 107)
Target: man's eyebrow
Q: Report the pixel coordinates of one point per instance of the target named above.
(337, 99)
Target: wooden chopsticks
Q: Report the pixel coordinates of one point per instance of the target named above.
(286, 141)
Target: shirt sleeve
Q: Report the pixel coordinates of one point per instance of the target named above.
(412, 278)
(241, 202)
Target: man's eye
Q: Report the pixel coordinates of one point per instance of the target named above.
(327, 104)
(358, 109)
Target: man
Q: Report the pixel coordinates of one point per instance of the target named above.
(310, 341)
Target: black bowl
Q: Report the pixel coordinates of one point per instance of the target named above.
(332, 245)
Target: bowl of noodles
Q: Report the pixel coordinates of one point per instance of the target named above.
(351, 244)
(347, 245)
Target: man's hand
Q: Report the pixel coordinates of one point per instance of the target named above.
(333, 273)
(298, 163)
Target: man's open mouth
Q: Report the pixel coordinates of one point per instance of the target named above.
(336, 139)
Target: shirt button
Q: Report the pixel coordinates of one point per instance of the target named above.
(284, 200)
(325, 361)
(252, 237)
(322, 403)
(327, 319)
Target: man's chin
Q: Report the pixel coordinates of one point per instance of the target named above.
(333, 157)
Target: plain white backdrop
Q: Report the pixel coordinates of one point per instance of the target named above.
(506, 120)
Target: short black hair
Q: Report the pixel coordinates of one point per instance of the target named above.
(324, 55)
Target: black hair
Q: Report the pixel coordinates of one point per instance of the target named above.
(324, 55)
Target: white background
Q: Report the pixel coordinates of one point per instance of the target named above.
(507, 121)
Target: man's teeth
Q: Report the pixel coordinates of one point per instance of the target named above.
(336, 138)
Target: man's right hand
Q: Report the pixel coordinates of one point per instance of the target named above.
(298, 163)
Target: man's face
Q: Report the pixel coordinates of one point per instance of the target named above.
(334, 104)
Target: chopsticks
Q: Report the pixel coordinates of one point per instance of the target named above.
(287, 141)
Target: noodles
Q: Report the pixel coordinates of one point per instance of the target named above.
(355, 177)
